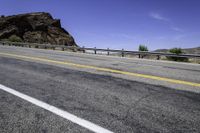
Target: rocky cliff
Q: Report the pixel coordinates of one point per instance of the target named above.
(37, 27)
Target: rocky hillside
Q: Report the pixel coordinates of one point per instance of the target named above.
(37, 27)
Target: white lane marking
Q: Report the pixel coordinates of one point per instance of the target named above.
(84, 123)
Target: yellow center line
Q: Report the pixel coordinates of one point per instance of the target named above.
(104, 69)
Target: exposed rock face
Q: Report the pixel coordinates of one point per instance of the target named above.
(35, 28)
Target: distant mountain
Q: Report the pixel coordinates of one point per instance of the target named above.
(186, 51)
(39, 27)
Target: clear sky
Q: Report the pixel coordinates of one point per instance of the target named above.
(121, 23)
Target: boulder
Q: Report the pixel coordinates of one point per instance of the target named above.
(39, 27)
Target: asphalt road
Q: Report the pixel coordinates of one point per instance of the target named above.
(117, 102)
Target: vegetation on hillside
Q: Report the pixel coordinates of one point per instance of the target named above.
(14, 38)
(143, 48)
(177, 51)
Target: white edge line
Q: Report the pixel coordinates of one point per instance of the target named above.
(84, 123)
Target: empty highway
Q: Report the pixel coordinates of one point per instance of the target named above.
(57, 91)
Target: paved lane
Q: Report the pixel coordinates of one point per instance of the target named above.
(161, 69)
(181, 71)
(117, 104)
(19, 116)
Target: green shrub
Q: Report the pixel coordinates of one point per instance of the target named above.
(177, 51)
(4, 40)
(143, 48)
(14, 38)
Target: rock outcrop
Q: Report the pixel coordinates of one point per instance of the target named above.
(37, 27)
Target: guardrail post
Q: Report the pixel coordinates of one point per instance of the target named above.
(122, 52)
(74, 49)
(142, 56)
(158, 57)
(83, 49)
(108, 52)
(195, 59)
(63, 49)
(95, 51)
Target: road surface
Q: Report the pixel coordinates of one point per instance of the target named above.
(115, 94)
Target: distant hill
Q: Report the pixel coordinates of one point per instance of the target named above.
(39, 27)
(186, 51)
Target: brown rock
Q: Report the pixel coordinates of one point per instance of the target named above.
(37, 27)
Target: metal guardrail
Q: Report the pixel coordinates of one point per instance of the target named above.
(122, 52)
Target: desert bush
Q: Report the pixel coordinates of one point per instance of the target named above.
(177, 51)
(4, 40)
(14, 38)
(143, 48)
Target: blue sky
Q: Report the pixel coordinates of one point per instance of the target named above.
(121, 23)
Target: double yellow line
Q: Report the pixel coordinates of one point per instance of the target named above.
(104, 69)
